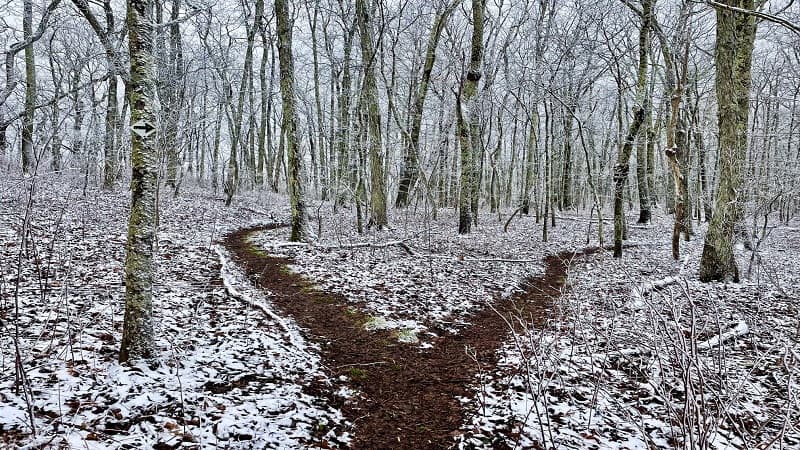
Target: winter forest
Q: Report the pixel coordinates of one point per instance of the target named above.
(495, 224)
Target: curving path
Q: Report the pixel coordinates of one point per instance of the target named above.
(408, 395)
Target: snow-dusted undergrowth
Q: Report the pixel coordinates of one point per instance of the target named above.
(436, 278)
(638, 355)
(230, 375)
(644, 356)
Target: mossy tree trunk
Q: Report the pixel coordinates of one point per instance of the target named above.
(734, 50)
(295, 169)
(378, 217)
(469, 130)
(137, 333)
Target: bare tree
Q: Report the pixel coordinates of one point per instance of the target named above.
(410, 171)
(29, 38)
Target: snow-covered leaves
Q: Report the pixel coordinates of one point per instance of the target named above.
(229, 373)
(644, 356)
(436, 286)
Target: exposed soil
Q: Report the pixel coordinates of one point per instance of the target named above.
(409, 395)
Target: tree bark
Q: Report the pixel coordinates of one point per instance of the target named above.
(378, 217)
(30, 90)
(137, 335)
(410, 171)
(295, 172)
(734, 50)
(622, 167)
(468, 122)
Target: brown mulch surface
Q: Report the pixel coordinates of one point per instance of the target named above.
(408, 395)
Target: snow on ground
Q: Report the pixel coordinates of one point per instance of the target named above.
(436, 278)
(643, 355)
(639, 355)
(230, 374)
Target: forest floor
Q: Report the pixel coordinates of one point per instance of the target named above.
(414, 337)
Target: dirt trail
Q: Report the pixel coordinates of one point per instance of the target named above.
(409, 394)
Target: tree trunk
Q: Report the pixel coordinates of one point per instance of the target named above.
(677, 155)
(378, 217)
(531, 162)
(641, 176)
(110, 162)
(266, 110)
(174, 98)
(30, 90)
(410, 171)
(320, 168)
(623, 160)
(468, 122)
(76, 140)
(137, 334)
(566, 200)
(295, 172)
(232, 180)
(734, 50)
(343, 128)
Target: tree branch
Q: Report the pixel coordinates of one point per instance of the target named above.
(758, 14)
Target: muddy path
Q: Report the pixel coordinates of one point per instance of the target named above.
(409, 395)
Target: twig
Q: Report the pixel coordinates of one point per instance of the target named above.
(505, 227)
(233, 292)
(649, 287)
(739, 330)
